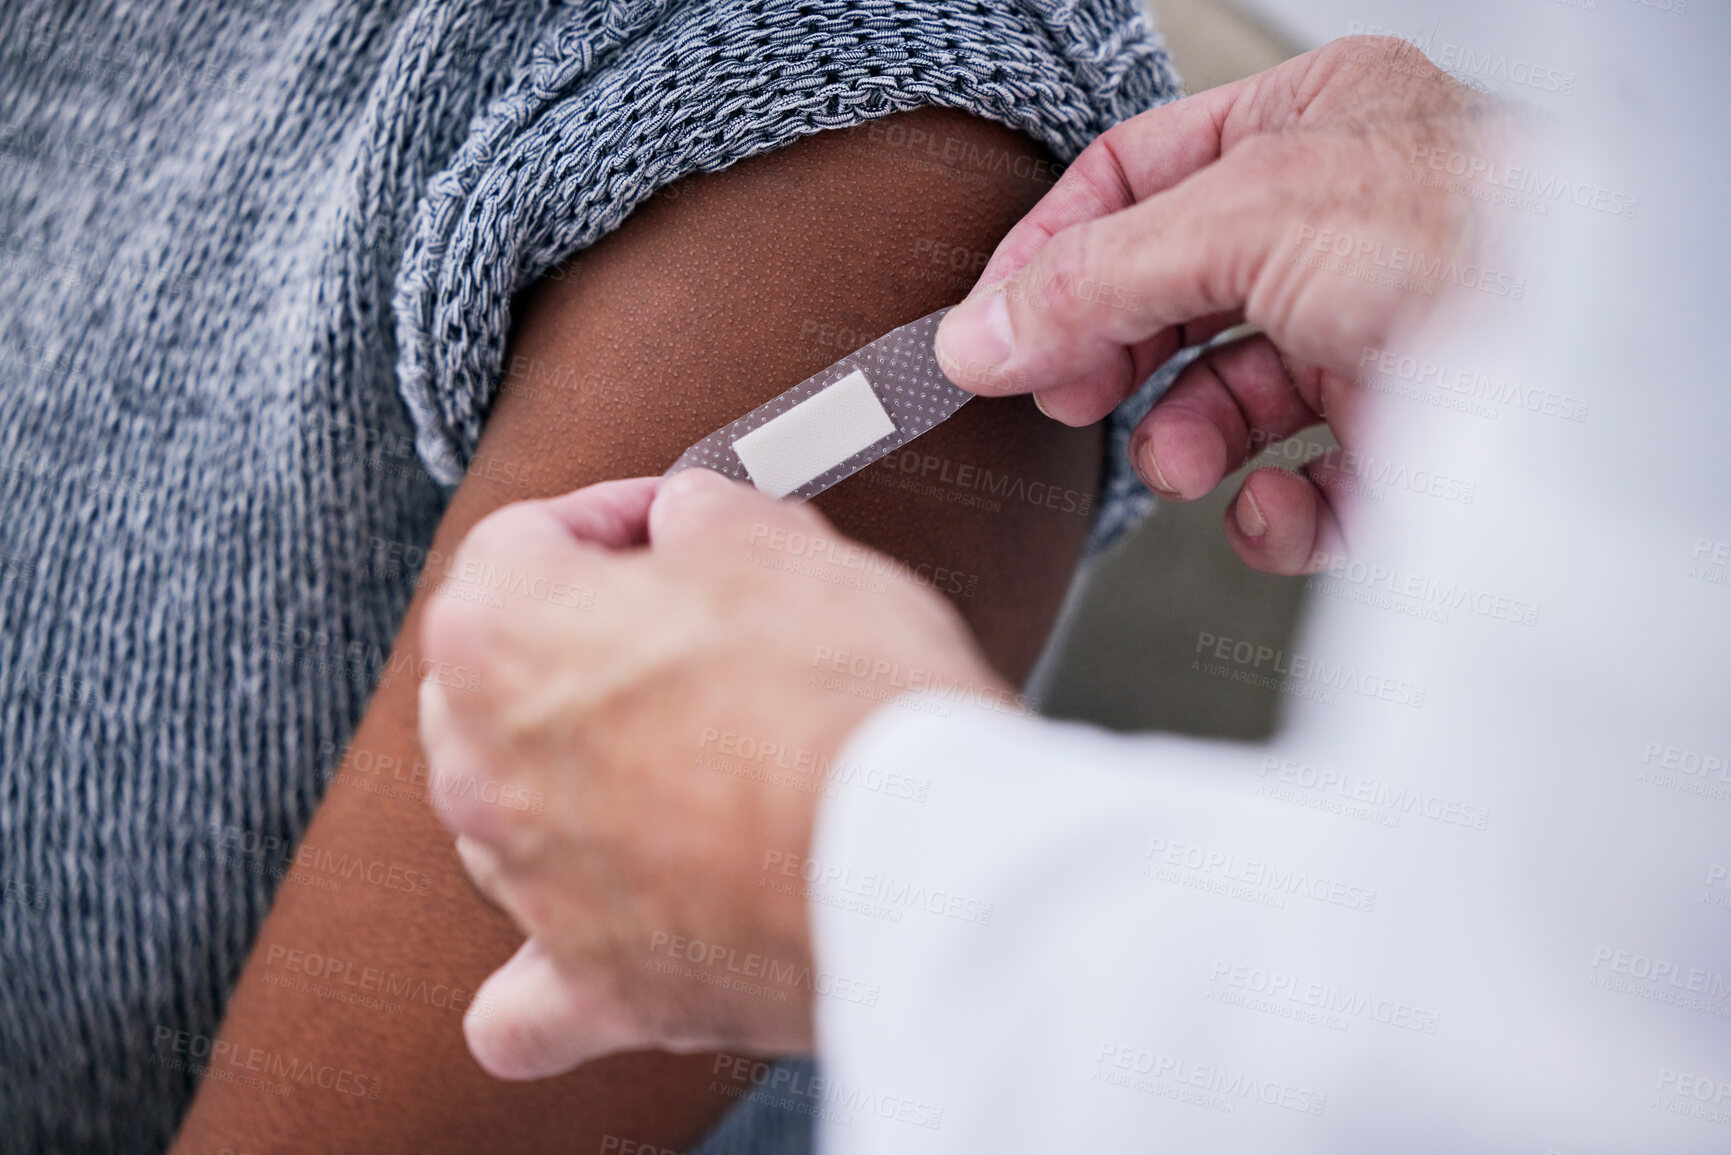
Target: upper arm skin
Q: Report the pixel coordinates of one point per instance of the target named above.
(717, 295)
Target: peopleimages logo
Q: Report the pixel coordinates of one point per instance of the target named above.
(1308, 675)
(1402, 374)
(843, 554)
(1118, 1064)
(1697, 1096)
(892, 678)
(226, 1061)
(1481, 68)
(1542, 186)
(1373, 583)
(818, 1095)
(1404, 267)
(1710, 561)
(1324, 997)
(987, 489)
(1396, 800)
(1661, 980)
(726, 750)
(1168, 861)
(748, 972)
(887, 890)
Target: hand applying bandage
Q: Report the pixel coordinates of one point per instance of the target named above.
(607, 779)
(1305, 200)
(639, 723)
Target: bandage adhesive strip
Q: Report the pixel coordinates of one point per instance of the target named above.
(834, 424)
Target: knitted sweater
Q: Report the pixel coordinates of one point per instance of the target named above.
(256, 267)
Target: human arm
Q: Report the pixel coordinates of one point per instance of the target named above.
(705, 303)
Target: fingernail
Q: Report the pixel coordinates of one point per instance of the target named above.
(1040, 404)
(1250, 518)
(1149, 467)
(975, 336)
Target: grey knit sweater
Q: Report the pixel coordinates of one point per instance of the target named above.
(256, 266)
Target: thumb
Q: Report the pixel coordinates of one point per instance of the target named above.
(611, 514)
(701, 509)
(529, 1021)
(1100, 306)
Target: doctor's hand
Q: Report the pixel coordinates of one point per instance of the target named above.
(660, 695)
(1316, 200)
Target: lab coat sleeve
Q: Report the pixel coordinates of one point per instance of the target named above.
(1033, 936)
(1002, 960)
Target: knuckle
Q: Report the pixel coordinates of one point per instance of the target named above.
(1099, 171)
(1067, 267)
(461, 799)
(1075, 252)
(1251, 370)
(498, 538)
(696, 514)
(1375, 50)
(1405, 56)
(486, 651)
(458, 633)
(488, 799)
(489, 601)
(506, 1046)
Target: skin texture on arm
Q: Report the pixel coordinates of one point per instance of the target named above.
(714, 297)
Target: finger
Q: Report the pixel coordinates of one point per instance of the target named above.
(614, 514)
(517, 578)
(698, 508)
(529, 1021)
(1086, 401)
(1339, 487)
(515, 548)
(1339, 399)
(458, 771)
(610, 515)
(1281, 522)
(1223, 407)
(1091, 302)
(482, 866)
(1130, 162)
(1093, 395)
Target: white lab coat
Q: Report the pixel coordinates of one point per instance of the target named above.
(1496, 918)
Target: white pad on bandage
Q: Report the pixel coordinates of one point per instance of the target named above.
(831, 425)
(814, 436)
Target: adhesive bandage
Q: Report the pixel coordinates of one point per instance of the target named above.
(831, 425)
